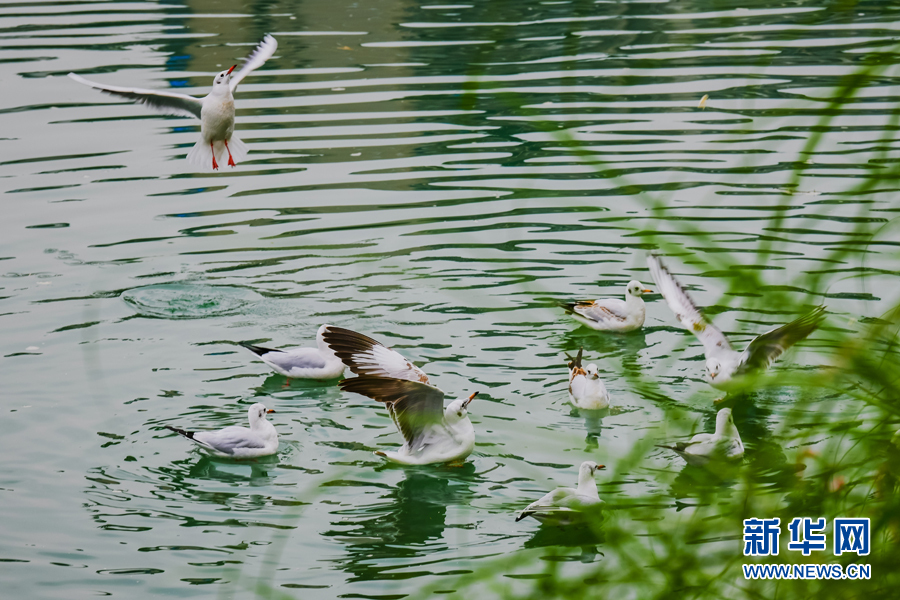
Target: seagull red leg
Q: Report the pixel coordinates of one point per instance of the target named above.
(230, 160)
(215, 166)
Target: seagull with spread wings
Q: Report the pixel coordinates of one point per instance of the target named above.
(302, 363)
(611, 314)
(563, 506)
(433, 434)
(215, 111)
(724, 365)
(235, 441)
(723, 445)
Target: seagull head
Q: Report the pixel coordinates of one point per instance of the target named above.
(223, 78)
(590, 467)
(593, 372)
(258, 412)
(636, 289)
(715, 371)
(458, 409)
(725, 426)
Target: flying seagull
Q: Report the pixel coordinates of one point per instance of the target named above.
(238, 442)
(433, 434)
(724, 365)
(215, 110)
(611, 314)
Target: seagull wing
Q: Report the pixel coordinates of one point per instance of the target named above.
(168, 103)
(605, 309)
(298, 358)
(366, 356)
(415, 407)
(765, 348)
(229, 439)
(257, 58)
(685, 310)
(574, 363)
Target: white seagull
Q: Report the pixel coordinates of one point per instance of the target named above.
(433, 434)
(562, 505)
(611, 314)
(215, 111)
(238, 442)
(586, 389)
(725, 444)
(724, 365)
(302, 363)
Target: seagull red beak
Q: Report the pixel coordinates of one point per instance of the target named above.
(231, 69)
(270, 411)
(647, 291)
(472, 397)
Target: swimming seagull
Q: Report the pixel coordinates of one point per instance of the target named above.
(586, 389)
(215, 111)
(433, 434)
(724, 365)
(611, 314)
(724, 444)
(302, 363)
(238, 442)
(562, 505)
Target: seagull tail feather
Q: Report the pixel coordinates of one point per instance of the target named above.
(569, 307)
(201, 156)
(188, 434)
(257, 350)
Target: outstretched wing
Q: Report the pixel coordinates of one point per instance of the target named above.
(765, 348)
(257, 58)
(168, 103)
(366, 356)
(415, 407)
(685, 310)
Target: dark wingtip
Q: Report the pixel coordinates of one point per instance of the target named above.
(521, 516)
(346, 343)
(569, 307)
(575, 362)
(257, 350)
(188, 434)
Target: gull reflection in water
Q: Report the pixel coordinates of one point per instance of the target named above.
(407, 522)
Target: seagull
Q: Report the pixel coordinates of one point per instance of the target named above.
(724, 444)
(302, 363)
(586, 389)
(560, 506)
(433, 434)
(215, 111)
(724, 365)
(611, 314)
(238, 442)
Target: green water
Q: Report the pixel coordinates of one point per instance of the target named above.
(433, 175)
